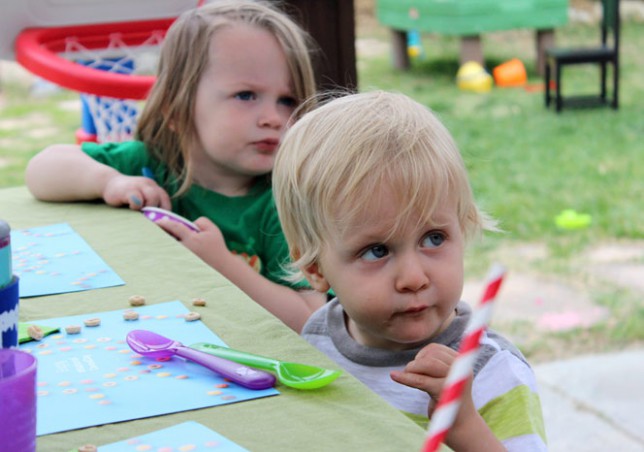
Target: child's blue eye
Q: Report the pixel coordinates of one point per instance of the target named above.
(433, 239)
(375, 252)
(245, 95)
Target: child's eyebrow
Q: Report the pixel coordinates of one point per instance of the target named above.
(355, 241)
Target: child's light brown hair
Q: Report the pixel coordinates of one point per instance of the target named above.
(334, 159)
(166, 124)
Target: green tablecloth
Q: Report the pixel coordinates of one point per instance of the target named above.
(345, 416)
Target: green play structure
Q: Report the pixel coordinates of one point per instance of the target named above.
(469, 19)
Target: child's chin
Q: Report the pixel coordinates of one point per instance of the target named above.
(409, 341)
(262, 170)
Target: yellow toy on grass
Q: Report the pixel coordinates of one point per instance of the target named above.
(472, 77)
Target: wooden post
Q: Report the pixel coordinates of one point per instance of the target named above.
(399, 55)
(544, 38)
(471, 50)
(331, 24)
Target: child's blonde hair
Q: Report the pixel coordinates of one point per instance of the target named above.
(333, 160)
(167, 125)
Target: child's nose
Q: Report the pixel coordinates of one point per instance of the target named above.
(411, 275)
(271, 117)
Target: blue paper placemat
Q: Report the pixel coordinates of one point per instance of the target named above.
(186, 437)
(93, 378)
(55, 259)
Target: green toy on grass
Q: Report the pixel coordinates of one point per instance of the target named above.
(571, 220)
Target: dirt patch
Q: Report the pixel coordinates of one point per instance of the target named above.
(618, 263)
(545, 303)
(552, 316)
(34, 125)
(27, 122)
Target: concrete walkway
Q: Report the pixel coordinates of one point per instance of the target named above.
(594, 403)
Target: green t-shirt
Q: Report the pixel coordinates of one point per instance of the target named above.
(249, 223)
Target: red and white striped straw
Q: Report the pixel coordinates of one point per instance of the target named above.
(450, 399)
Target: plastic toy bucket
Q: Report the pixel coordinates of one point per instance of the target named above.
(510, 73)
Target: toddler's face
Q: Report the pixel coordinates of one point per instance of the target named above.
(397, 290)
(244, 100)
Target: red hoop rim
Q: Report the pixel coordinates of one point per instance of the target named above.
(37, 50)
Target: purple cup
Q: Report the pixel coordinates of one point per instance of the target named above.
(9, 300)
(17, 401)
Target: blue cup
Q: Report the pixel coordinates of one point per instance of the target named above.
(9, 300)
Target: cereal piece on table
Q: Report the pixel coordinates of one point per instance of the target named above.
(72, 329)
(95, 321)
(88, 448)
(198, 302)
(137, 300)
(192, 316)
(35, 332)
(130, 314)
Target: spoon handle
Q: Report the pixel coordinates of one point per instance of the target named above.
(260, 362)
(238, 373)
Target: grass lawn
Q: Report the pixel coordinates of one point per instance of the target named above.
(518, 153)
(526, 163)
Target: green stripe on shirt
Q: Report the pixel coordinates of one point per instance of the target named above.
(515, 413)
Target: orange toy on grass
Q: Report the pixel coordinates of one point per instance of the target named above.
(510, 73)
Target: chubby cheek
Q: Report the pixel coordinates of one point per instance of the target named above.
(456, 291)
(368, 309)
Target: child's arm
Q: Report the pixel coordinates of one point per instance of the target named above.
(291, 306)
(65, 173)
(427, 372)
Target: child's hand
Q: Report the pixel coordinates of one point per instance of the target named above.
(428, 370)
(136, 192)
(208, 243)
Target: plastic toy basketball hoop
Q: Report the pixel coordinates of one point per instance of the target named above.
(112, 65)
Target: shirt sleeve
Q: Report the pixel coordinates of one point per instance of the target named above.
(505, 394)
(128, 158)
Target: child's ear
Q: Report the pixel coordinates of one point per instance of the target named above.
(314, 276)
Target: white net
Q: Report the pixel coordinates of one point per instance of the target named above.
(107, 119)
(113, 119)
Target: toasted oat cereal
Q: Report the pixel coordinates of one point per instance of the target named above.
(192, 316)
(35, 332)
(95, 321)
(198, 302)
(88, 448)
(130, 314)
(137, 300)
(72, 329)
